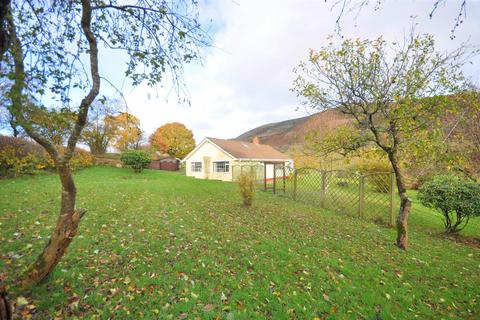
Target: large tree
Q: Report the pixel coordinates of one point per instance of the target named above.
(50, 51)
(173, 138)
(101, 129)
(382, 86)
(127, 134)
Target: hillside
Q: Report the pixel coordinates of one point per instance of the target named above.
(284, 134)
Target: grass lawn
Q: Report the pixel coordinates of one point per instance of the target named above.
(159, 245)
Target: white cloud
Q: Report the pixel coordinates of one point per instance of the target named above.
(246, 77)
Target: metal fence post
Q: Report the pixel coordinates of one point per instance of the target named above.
(392, 198)
(264, 176)
(323, 189)
(294, 184)
(284, 186)
(361, 196)
(274, 179)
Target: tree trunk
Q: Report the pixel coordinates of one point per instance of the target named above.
(405, 204)
(5, 306)
(67, 223)
(65, 230)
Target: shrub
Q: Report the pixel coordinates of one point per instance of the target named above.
(136, 159)
(21, 156)
(246, 183)
(458, 200)
(13, 165)
(81, 159)
(376, 174)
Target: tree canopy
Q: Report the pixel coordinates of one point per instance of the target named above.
(100, 129)
(173, 138)
(126, 131)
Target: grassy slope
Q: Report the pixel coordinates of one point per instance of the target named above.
(160, 245)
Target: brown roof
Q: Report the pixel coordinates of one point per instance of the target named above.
(249, 150)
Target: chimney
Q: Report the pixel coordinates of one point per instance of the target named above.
(255, 140)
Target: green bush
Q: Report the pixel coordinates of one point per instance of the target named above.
(458, 200)
(246, 183)
(136, 159)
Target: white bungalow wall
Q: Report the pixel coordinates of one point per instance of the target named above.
(207, 154)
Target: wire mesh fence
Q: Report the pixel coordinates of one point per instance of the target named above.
(370, 196)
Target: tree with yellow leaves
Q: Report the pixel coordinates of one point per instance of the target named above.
(127, 131)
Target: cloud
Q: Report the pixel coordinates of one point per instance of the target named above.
(247, 74)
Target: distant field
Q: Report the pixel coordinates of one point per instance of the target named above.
(160, 245)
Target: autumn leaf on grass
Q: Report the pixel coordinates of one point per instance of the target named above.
(326, 297)
(208, 307)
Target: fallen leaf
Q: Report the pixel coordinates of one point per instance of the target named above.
(21, 301)
(208, 307)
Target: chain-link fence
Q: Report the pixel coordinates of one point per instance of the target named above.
(370, 196)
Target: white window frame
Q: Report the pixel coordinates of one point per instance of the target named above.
(196, 166)
(225, 168)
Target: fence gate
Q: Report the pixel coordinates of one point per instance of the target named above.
(275, 175)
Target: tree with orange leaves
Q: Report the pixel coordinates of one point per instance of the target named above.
(173, 138)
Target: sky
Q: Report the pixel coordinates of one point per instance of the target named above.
(245, 76)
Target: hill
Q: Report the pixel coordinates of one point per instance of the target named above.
(284, 134)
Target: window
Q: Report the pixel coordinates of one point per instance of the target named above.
(196, 167)
(221, 166)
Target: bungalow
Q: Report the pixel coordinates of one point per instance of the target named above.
(215, 158)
